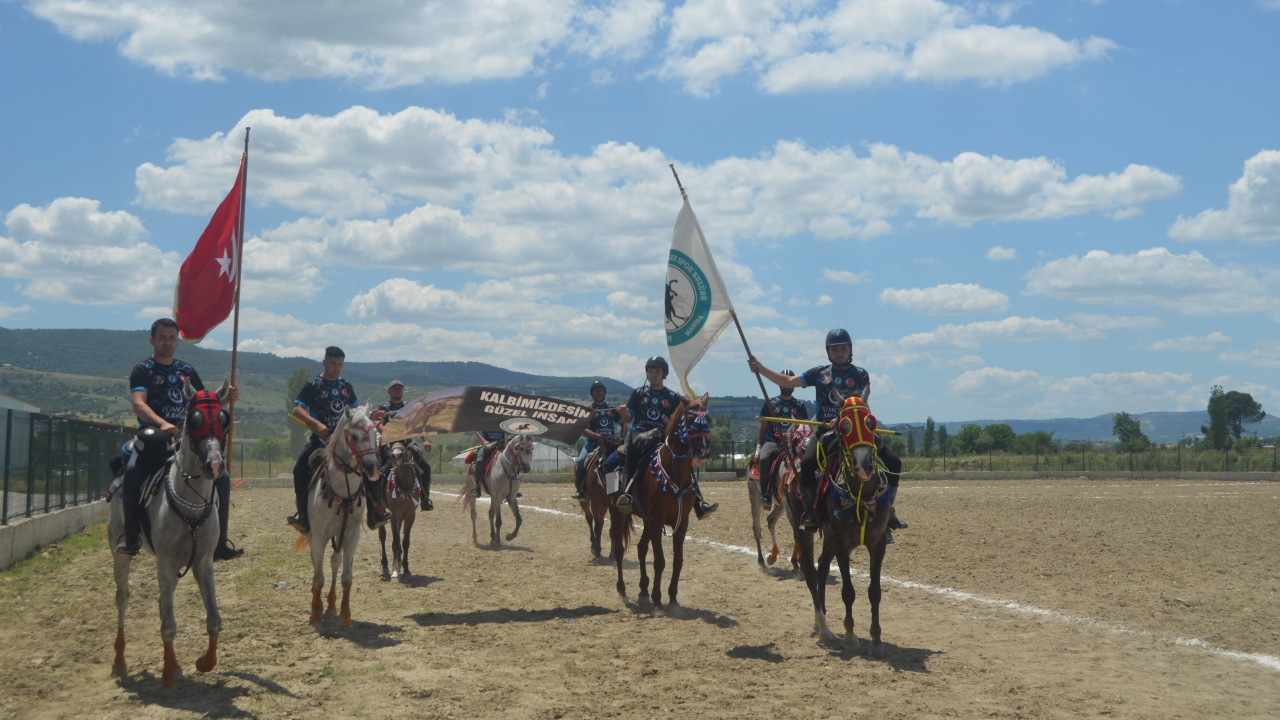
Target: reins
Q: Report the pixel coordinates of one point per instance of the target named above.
(684, 434)
(346, 505)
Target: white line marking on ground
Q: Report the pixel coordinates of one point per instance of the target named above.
(1268, 661)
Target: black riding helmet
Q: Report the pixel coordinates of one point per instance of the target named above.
(788, 373)
(597, 384)
(839, 336)
(657, 361)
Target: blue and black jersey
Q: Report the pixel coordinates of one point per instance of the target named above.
(492, 435)
(782, 407)
(652, 408)
(603, 418)
(163, 386)
(391, 408)
(326, 400)
(834, 386)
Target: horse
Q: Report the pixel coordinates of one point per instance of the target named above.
(595, 502)
(665, 489)
(788, 466)
(853, 503)
(503, 483)
(346, 462)
(403, 490)
(183, 528)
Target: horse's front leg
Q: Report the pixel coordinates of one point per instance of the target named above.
(213, 619)
(515, 510)
(804, 545)
(848, 594)
(348, 556)
(396, 549)
(659, 560)
(824, 571)
(412, 514)
(334, 561)
(472, 484)
(873, 595)
(122, 564)
(753, 494)
(168, 576)
(495, 520)
(642, 553)
(773, 532)
(317, 570)
(618, 534)
(382, 540)
(677, 560)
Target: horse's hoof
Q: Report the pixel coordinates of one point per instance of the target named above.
(395, 575)
(877, 651)
(315, 617)
(120, 670)
(511, 537)
(346, 622)
(205, 666)
(168, 685)
(851, 643)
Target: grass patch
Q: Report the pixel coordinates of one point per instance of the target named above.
(43, 561)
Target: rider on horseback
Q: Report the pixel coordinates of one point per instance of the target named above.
(769, 440)
(320, 405)
(155, 388)
(651, 406)
(395, 391)
(599, 432)
(494, 441)
(833, 383)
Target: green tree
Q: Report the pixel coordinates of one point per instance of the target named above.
(1036, 441)
(928, 436)
(911, 440)
(967, 438)
(1128, 432)
(942, 439)
(297, 433)
(268, 449)
(722, 429)
(1241, 408)
(1002, 436)
(1217, 431)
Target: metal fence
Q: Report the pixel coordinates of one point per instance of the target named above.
(52, 462)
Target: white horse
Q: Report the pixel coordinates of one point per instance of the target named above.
(503, 482)
(183, 518)
(336, 493)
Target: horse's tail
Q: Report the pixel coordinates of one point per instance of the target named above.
(301, 543)
(628, 524)
(465, 496)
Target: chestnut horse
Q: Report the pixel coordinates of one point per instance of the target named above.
(403, 495)
(595, 500)
(853, 503)
(666, 493)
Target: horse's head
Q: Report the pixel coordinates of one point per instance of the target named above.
(204, 430)
(398, 457)
(693, 427)
(521, 449)
(360, 436)
(857, 428)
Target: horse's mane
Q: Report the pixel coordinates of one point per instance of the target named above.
(360, 412)
(678, 415)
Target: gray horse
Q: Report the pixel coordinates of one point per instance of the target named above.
(184, 529)
(503, 483)
(346, 462)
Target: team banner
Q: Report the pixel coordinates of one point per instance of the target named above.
(697, 305)
(468, 409)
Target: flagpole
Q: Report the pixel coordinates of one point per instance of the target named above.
(235, 323)
(732, 313)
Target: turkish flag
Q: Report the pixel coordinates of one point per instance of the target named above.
(207, 284)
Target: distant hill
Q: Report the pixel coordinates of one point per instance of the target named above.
(1161, 427)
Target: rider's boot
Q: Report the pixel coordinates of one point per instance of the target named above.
(226, 549)
(425, 480)
(701, 507)
(131, 497)
(766, 491)
(895, 523)
(809, 518)
(299, 520)
(577, 483)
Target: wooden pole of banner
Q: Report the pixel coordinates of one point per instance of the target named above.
(235, 323)
(732, 313)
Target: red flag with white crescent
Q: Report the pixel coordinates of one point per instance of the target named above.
(207, 284)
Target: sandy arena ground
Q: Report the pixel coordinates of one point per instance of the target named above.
(1025, 599)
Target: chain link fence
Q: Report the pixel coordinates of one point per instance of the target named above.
(54, 462)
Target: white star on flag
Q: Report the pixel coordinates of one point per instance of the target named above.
(228, 266)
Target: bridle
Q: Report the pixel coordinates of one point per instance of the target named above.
(685, 432)
(195, 429)
(356, 455)
(526, 449)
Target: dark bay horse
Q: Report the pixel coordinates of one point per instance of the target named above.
(853, 502)
(595, 501)
(665, 490)
(403, 495)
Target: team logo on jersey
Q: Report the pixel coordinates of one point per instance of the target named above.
(337, 406)
(334, 392)
(848, 382)
(523, 426)
(173, 379)
(666, 403)
(175, 396)
(825, 379)
(653, 414)
(688, 298)
(159, 379)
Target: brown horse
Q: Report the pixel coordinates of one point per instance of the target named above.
(666, 494)
(785, 477)
(595, 501)
(403, 493)
(853, 504)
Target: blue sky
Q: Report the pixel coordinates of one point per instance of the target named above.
(1018, 209)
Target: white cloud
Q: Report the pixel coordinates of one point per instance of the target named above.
(956, 299)
(805, 46)
(1114, 322)
(998, 253)
(1011, 329)
(154, 311)
(73, 252)
(1253, 206)
(1189, 284)
(381, 43)
(1026, 391)
(824, 300)
(1191, 343)
(844, 276)
(9, 311)
(1266, 353)
(623, 28)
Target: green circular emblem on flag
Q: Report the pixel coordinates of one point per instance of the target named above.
(523, 426)
(688, 298)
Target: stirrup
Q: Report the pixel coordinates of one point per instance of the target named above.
(124, 548)
(227, 551)
(427, 504)
(894, 522)
(624, 504)
(766, 503)
(702, 508)
(888, 537)
(808, 522)
(298, 523)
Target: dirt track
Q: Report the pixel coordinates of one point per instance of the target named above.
(536, 630)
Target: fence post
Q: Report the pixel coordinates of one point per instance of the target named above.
(31, 464)
(8, 453)
(48, 461)
(75, 464)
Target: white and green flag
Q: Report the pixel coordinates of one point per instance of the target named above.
(697, 307)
